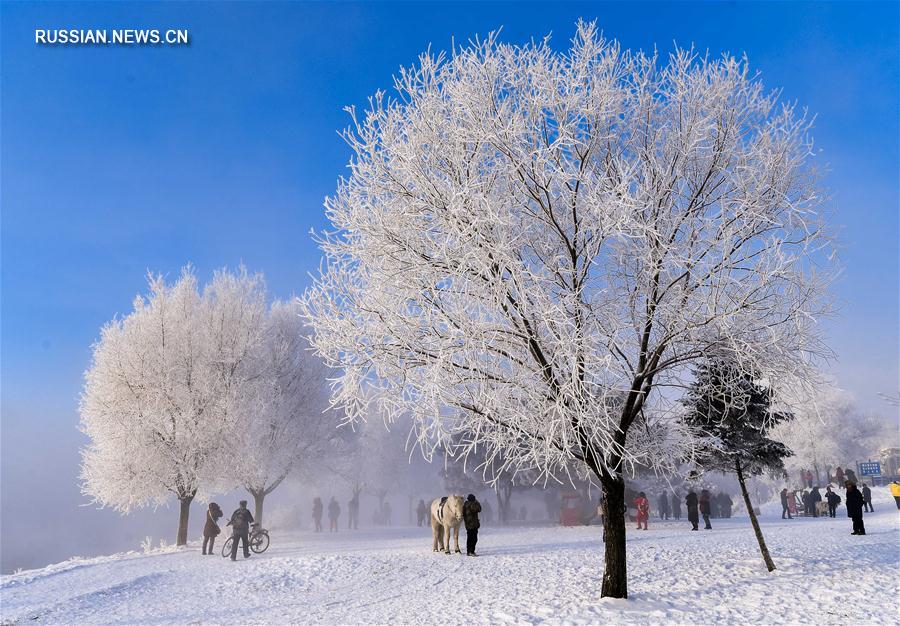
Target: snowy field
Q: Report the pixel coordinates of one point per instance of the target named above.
(524, 575)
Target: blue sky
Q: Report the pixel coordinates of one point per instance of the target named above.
(119, 160)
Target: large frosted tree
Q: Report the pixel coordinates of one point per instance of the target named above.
(158, 396)
(532, 246)
(284, 424)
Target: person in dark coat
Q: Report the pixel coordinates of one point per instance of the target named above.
(804, 497)
(726, 503)
(833, 500)
(855, 508)
(691, 502)
(676, 506)
(334, 512)
(705, 508)
(784, 504)
(317, 511)
(851, 476)
(488, 513)
(353, 512)
(663, 505)
(240, 529)
(814, 498)
(211, 527)
(422, 514)
(839, 475)
(867, 499)
(471, 509)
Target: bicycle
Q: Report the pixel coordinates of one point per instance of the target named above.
(259, 541)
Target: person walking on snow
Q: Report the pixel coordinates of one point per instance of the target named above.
(839, 475)
(814, 498)
(833, 500)
(353, 512)
(676, 506)
(643, 509)
(705, 508)
(784, 504)
(334, 512)
(240, 529)
(867, 499)
(691, 502)
(471, 509)
(663, 506)
(855, 508)
(317, 513)
(211, 528)
(421, 513)
(895, 491)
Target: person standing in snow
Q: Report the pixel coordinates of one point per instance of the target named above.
(211, 527)
(804, 497)
(833, 500)
(839, 475)
(895, 491)
(471, 509)
(855, 508)
(353, 512)
(691, 502)
(643, 509)
(792, 502)
(421, 513)
(809, 479)
(663, 506)
(488, 513)
(814, 498)
(317, 511)
(727, 505)
(676, 506)
(705, 508)
(850, 475)
(334, 512)
(784, 504)
(867, 499)
(240, 529)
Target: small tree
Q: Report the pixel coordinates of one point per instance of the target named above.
(158, 397)
(284, 423)
(732, 411)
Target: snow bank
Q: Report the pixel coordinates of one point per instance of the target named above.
(552, 575)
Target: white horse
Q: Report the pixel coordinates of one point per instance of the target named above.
(446, 516)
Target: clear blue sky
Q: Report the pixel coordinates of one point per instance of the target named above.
(120, 160)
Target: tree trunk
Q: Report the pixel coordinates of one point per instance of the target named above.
(759, 536)
(258, 498)
(615, 574)
(181, 538)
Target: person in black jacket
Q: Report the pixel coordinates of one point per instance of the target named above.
(814, 498)
(240, 530)
(855, 508)
(471, 509)
(663, 505)
(676, 506)
(867, 499)
(784, 505)
(692, 509)
(833, 500)
(705, 508)
(211, 527)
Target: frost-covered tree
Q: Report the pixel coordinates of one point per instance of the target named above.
(157, 398)
(283, 423)
(531, 244)
(732, 413)
(830, 430)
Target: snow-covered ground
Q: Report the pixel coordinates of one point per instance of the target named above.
(539, 574)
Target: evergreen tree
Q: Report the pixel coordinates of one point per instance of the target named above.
(733, 412)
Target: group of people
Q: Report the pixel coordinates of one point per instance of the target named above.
(706, 505)
(240, 523)
(334, 513)
(859, 500)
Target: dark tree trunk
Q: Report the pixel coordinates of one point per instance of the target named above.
(185, 502)
(759, 536)
(259, 497)
(615, 574)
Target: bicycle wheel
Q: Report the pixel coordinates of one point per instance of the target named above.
(226, 549)
(259, 542)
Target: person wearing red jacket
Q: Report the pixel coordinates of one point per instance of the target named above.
(643, 509)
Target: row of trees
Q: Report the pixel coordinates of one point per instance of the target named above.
(535, 249)
(197, 392)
